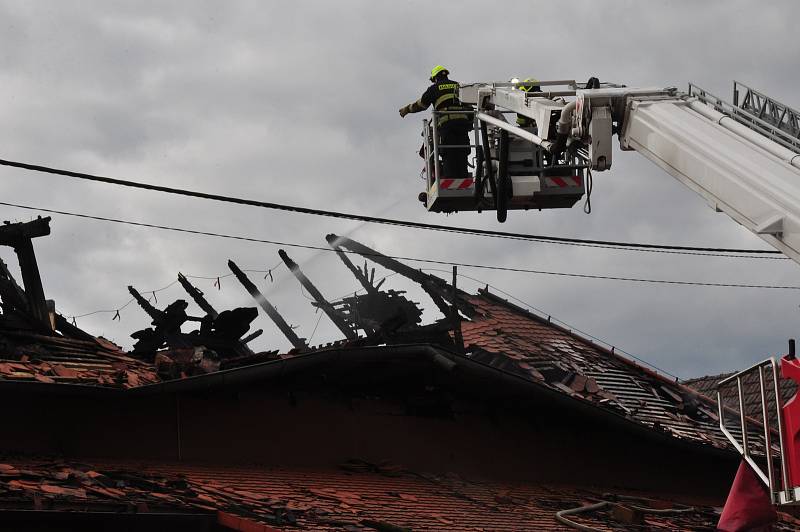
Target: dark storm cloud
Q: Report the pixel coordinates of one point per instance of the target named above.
(297, 103)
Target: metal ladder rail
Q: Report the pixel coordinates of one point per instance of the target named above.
(740, 172)
(744, 448)
(746, 118)
(430, 133)
(768, 109)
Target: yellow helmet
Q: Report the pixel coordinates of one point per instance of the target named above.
(438, 69)
(528, 88)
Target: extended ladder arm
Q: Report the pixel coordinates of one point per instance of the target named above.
(743, 164)
(736, 170)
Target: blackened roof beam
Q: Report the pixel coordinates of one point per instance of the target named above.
(334, 315)
(272, 312)
(13, 295)
(437, 289)
(14, 298)
(19, 236)
(11, 234)
(365, 281)
(152, 311)
(197, 295)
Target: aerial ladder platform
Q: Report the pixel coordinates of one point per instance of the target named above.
(742, 157)
(742, 164)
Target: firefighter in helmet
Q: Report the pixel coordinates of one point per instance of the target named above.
(531, 86)
(453, 124)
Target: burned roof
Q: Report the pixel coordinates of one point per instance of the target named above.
(480, 327)
(484, 344)
(358, 496)
(516, 340)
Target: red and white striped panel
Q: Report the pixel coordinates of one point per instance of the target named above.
(456, 184)
(563, 182)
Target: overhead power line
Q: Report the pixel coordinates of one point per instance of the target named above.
(405, 258)
(153, 293)
(373, 219)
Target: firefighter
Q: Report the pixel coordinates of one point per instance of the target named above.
(453, 126)
(524, 121)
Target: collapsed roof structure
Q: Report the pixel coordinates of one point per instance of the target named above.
(489, 418)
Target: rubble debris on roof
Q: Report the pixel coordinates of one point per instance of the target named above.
(440, 292)
(32, 357)
(37, 344)
(359, 496)
(380, 313)
(219, 342)
(751, 393)
(221, 332)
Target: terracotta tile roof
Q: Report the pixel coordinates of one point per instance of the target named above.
(358, 496)
(27, 357)
(498, 334)
(511, 338)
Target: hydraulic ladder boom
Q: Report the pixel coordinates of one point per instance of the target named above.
(735, 169)
(742, 163)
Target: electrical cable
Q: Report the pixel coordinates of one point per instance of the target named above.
(359, 217)
(170, 228)
(416, 259)
(116, 310)
(319, 317)
(156, 291)
(587, 205)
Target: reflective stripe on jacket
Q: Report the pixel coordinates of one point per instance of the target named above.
(443, 96)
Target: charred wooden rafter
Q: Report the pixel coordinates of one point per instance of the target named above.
(197, 295)
(252, 336)
(437, 289)
(152, 311)
(366, 282)
(20, 237)
(15, 302)
(380, 313)
(272, 312)
(335, 316)
(13, 295)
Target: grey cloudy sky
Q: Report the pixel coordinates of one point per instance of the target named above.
(296, 102)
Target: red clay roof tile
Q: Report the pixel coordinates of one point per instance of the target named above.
(586, 371)
(267, 500)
